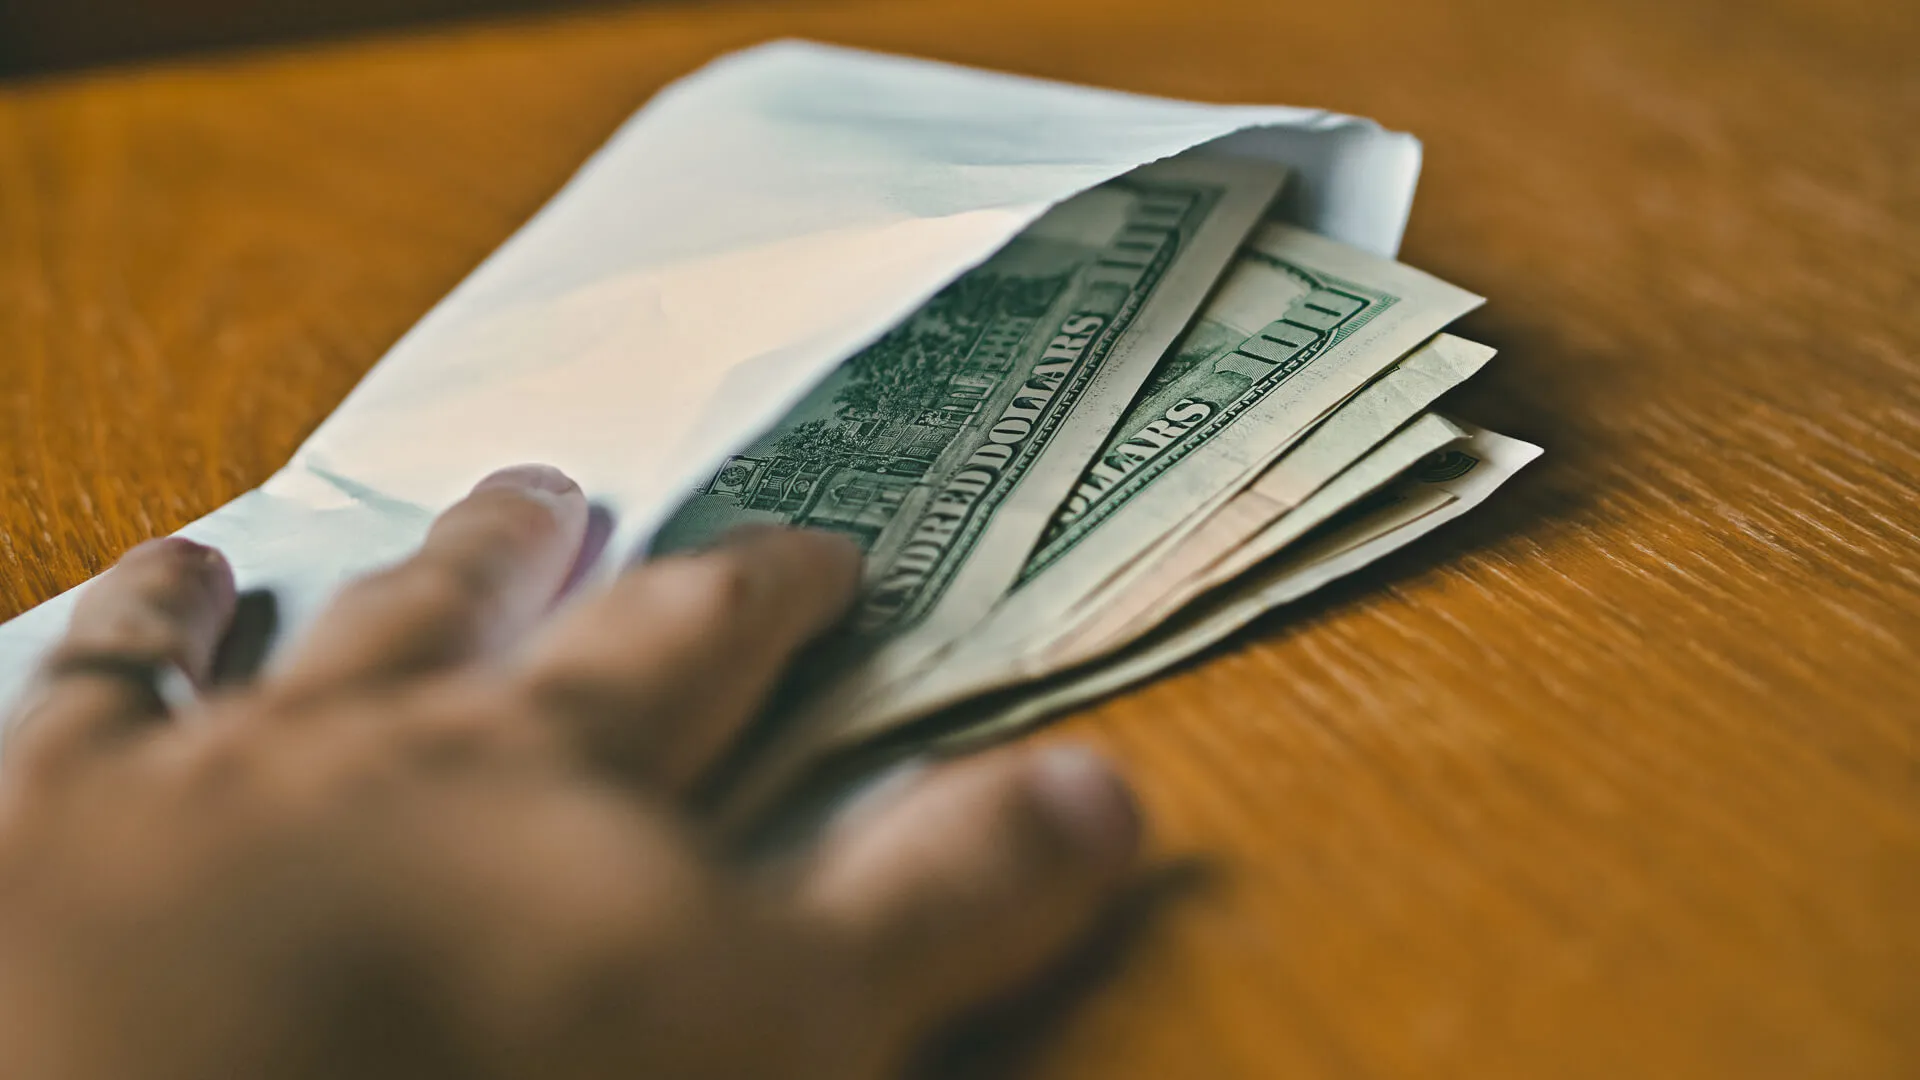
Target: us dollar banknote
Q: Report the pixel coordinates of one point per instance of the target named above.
(1299, 324)
(1182, 576)
(1447, 484)
(1140, 603)
(1246, 527)
(1297, 327)
(945, 447)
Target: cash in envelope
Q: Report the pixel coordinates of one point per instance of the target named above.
(1055, 356)
(1111, 444)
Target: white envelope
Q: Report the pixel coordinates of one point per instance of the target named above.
(755, 224)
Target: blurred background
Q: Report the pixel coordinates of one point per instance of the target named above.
(39, 36)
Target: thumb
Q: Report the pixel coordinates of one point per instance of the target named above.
(972, 881)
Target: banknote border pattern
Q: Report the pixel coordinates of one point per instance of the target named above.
(1378, 302)
(1210, 197)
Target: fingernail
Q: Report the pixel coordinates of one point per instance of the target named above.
(529, 478)
(1089, 802)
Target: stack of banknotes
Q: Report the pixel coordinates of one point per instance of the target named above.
(1155, 415)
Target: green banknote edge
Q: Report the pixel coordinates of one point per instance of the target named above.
(1377, 302)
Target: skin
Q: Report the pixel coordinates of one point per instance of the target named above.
(447, 835)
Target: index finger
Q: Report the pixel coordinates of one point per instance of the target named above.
(488, 570)
(656, 676)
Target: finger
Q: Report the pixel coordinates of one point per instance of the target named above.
(655, 677)
(973, 880)
(163, 607)
(489, 569)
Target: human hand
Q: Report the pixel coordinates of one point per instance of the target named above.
(447, 838)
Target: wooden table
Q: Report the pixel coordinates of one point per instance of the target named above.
(1620, 777)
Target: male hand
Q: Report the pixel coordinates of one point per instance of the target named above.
(445, 837)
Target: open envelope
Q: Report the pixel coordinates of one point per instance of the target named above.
(757, 223)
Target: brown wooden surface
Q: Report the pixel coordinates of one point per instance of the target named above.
(1620, 777)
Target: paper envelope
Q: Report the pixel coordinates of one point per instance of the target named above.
(755, 224)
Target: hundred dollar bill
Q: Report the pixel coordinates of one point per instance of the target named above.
(1297, 327)
(1152, 598)
(1251, 525)
(944, 448)
(1388, 403)
(983, 664)
(1449, 484)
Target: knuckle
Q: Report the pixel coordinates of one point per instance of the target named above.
(708, 592)
(574, 689)
(429, 599)
(440, 586)
(476, 733)
(595, 713)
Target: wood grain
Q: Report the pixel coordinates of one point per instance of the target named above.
(1619, 777)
